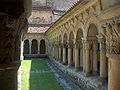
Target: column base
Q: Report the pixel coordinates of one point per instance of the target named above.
(64, 63)
(8, 76)
(87, 74)
(76, 69)
(95, 73)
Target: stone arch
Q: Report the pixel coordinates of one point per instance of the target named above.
(42, 47)
(34, 46)
(94, 51)
(79, 46)
(26, 46)
(65, 38)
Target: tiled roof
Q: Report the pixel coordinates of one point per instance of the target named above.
(37, 29)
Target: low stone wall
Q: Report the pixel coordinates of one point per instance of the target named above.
(85, 83)
(35, 55)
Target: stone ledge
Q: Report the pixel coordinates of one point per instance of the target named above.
(85, 83)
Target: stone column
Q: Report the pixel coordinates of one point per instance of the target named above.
(87, 71)
(60, 53)
(64, 55)
(103, 62)
(81, 58)
(38, 47)
(77, 62)
(10, 40)
(22, 48)
(70, 56)
(114, 72)
(95, 58)
(84, 58)
(30, 44)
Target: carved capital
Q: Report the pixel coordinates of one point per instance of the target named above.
(10, 35)
(112, 37)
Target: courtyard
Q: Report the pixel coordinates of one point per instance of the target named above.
(36, 75)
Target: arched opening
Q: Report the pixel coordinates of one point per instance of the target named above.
(34, 47)
(71, 42)
(26, 47)
(94, 50)
(80, 47)
(42, 47)
(65, 38)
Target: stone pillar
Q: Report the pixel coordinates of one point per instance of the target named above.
(38, 47)
(30, 46)
(103, 61)
(87, 71)
(81, 58)
(70, 55)
(10, 40)
(77, 62)
(60, 53)
(53, 51)
(64, 54)
(95, 58)
(22, 48)
(114, 72)
(84, 58)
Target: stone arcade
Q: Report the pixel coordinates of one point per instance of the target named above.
(84, 42)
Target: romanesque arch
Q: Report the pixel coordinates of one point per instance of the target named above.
(94, 52)
(42, 47)
(34, 47)
(26, 47)
(79, 47)
(71, 54)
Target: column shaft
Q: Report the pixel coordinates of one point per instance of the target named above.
(30, 44)
(64, 55)
(84, 59)
(95, 59)
(22, 48)
(77, 62)
(38, 47)
(60, 54)
(70, 56)
(114, 74)
(103, 64)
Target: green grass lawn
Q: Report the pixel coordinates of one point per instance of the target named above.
(38, 81)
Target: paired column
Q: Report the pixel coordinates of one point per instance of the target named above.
(84, 57)
(77, 61)
(95, 59)
(64, 54)
(70, 55)
(60, 54)
(87, 62)
(103, 61)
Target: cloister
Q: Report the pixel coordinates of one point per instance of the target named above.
(82, 41)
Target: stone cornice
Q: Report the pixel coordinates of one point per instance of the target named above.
(72, 12)
(109, 13)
